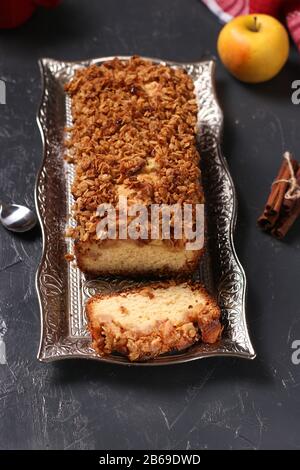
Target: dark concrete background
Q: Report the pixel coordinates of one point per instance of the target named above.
(215, 403)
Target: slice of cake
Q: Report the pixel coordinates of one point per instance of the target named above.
(133, 136)
(145, 322)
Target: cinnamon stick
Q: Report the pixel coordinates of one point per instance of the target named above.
(281, 229)
(289, 216)
(269, 215)
(278, 190)
(281, 211)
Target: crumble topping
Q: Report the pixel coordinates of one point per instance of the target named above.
(133, 127)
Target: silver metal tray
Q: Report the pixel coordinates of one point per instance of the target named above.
(63, 289)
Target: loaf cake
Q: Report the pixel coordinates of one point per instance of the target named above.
(145, 322)
(133, 136)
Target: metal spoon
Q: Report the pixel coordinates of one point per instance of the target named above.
(17, 218)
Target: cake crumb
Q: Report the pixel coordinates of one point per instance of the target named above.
(69, 257)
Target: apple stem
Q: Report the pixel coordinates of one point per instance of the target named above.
(256, 26)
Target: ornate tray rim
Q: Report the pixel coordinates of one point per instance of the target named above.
(45, 356)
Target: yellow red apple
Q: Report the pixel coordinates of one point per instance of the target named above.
(254, 48)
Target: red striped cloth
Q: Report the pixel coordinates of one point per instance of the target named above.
(288, 11)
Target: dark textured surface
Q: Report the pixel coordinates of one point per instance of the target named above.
(216, 403)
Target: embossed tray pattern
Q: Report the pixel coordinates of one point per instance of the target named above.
(63, 289)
